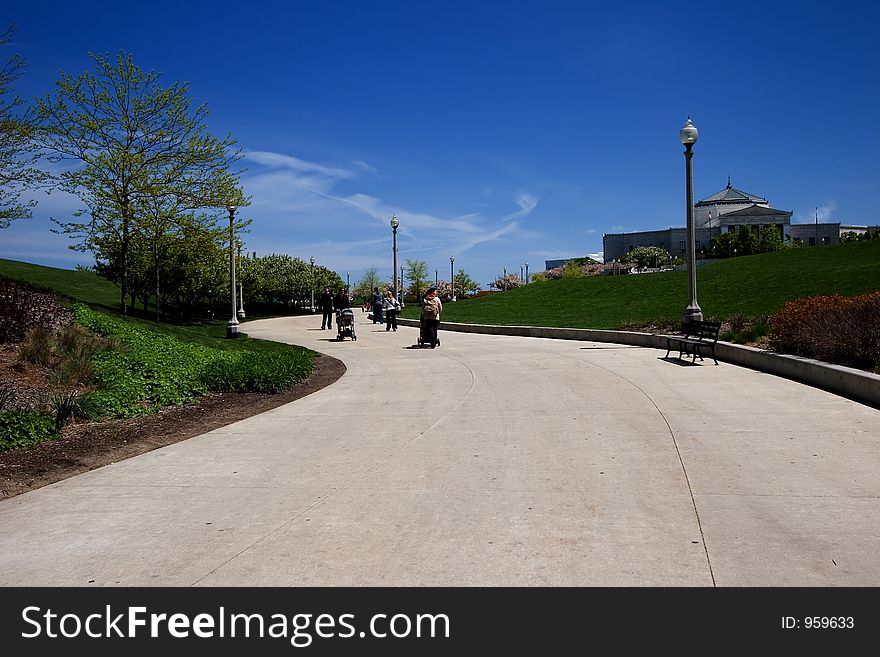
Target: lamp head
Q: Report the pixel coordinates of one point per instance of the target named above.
(312, 260)
(231, 207)
(688, 133)
(394, 222)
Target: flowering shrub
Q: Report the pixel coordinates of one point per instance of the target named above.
(834, 329)
(508, 282)
(571, 270)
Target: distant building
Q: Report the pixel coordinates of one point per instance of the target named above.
(720, 213)
(553, 264)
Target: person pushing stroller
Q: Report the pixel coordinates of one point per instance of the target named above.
(429, 319)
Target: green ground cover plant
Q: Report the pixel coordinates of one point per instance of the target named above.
(106, 366)
(157, 369)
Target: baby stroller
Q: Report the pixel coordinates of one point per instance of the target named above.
(345, 324)
(424, 338)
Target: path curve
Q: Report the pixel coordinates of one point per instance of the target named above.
(489, 461)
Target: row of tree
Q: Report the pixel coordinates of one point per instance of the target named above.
(416, 282)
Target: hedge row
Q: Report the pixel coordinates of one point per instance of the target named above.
(833, 329)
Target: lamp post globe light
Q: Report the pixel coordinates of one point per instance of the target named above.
(312, 283)
(232, 325)
(692, 312)
(452, 275)
(394, 224)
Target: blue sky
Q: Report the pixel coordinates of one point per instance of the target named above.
(498, 132)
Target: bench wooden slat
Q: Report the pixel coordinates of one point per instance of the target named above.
(697, 338)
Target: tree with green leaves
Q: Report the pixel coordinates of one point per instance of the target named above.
(416, 272)
(19, 152)
(771, 239)
(464, 284)
(746, 241)
(364, 287)
(723, 246)
(134, 142)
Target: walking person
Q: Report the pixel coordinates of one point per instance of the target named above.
(430, 316)
(325, 303)
(392, 310)
(378, 306)
(341, 302)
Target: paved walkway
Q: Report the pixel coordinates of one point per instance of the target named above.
(488, 461)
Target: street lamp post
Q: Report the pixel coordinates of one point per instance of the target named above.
(527, 272)
(232, 325)
(521, 272)
(400, 296)
(312, 283)
(394, 224)
(452, 275)
(692, 312)
(241, 315)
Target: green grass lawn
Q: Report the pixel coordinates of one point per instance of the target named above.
(84, 286)
(98, 293)
(750, 285)
(159, 364)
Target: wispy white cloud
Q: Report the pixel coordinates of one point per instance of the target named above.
(364, 166)
(305, 200)
(278, 160)
(526, 202)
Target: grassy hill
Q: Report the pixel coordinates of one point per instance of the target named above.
(750, 285)
(84, 286)
(98, 293)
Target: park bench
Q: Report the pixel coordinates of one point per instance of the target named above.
(698, 339)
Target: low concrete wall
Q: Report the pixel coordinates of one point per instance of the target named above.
(857, 385)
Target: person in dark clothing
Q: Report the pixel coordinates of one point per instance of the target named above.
(378, 306)
(341, 300)
(325, 302)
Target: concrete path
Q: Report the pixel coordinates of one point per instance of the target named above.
(488, 461)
